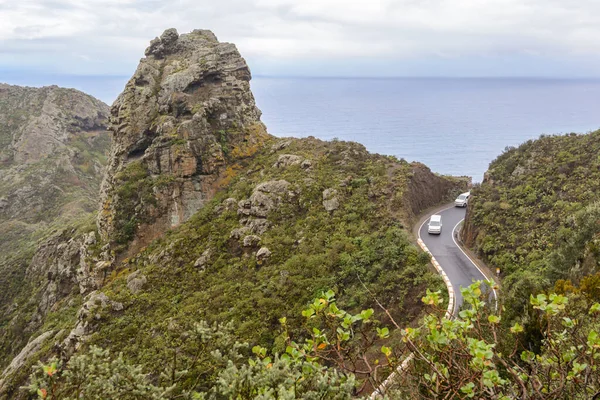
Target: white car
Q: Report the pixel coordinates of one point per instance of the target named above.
(435, 224)
(462, 200)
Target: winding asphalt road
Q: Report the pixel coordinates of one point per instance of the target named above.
(458, 266)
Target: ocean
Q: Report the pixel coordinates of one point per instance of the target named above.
(454, 126)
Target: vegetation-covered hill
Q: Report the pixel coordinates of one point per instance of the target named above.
(206, 217)
(53, 148)
(299, 217)
(537, 216)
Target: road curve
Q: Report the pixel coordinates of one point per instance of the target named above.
(461, 270)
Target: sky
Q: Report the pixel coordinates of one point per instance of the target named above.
(375, 38)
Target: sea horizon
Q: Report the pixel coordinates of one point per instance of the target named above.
(454, 125)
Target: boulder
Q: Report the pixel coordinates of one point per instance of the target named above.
(330, 200)
(136, 281)
(265, 198)
(286, 160)
(202, 261)
(251, 241)
(263, 254)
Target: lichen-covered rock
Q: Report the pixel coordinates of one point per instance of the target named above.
(257, 226)
(306, 164)
(88, 313)
(286, 160)
(265, 198)
(238, 233)
(263, 254)
(282, 144)
(230, 204)
(136, 281)
(184, 116)
(23, 357)
(330, 200)
(251, 241)
(203, 260)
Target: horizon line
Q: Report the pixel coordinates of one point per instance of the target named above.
(21, 75)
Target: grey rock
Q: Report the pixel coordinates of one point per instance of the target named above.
(265, 198)
(306, 164)
(282, 144)
(263, 254)
(330, 200)
(230, 204)
(96, 301)
(136, 282)
(251, 241)
(203, 260)
(257, 226)
(286, 160)
(24, 356)
(239, 232)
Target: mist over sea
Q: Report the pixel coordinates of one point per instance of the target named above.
(455, 126)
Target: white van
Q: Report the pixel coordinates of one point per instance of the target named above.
(462, 200)
(435, 224)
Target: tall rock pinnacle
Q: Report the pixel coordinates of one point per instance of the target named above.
(185, 115)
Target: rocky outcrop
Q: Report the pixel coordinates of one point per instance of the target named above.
(23, 357)
(265, 198)
(87, 317)
(185, 115)
(330, 200)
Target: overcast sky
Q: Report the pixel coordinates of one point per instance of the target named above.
(556, 38)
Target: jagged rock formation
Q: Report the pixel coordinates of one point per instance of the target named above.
(186, 114)
(53, 146)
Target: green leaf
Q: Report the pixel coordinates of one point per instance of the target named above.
(383, 332)
(516, 328)
(386, 350)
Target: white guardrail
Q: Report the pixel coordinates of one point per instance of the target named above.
(379, 392)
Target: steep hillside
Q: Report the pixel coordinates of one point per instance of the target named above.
(536, 214)
(206, 217)
(53, 147)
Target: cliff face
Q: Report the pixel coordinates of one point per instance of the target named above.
(53, 147)
(186, 114)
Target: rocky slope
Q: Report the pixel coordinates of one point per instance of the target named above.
(53, 147)
(535, 216)
(206, 217)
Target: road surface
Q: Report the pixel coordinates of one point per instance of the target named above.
(458, 266)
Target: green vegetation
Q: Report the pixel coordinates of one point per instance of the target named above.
(471, 356)
(134, 188)
(536, 216)
(206, 270)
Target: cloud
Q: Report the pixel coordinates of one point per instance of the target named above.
(109, 36)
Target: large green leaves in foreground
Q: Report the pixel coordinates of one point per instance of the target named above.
(471, 356)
